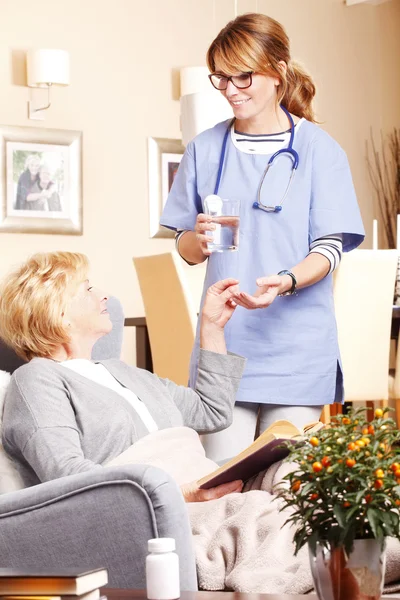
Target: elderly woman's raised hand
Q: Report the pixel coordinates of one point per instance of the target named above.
(219, 305)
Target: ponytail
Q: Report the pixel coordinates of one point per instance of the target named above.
(298, 91)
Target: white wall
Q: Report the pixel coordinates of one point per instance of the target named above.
(125, 57)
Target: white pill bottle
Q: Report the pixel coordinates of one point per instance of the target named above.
(162, 570)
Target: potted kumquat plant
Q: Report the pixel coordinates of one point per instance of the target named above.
(344, 498)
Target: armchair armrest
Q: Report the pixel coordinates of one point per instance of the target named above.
(100, 518)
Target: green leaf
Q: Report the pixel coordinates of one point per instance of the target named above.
(340, 515)
(307, 488)
(374, 520)
(352, 511)
(300, 538)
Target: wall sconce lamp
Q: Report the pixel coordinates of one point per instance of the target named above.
(44, 69)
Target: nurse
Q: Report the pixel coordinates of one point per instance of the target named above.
(296, 218)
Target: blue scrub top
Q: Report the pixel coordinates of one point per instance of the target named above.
(291, 346)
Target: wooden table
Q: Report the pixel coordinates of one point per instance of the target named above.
(114, 594)
(143, 349)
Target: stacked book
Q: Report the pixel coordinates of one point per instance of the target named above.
(51, 584)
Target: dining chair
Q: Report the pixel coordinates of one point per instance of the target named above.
(170, 314)
(394, 384)
(363, 297)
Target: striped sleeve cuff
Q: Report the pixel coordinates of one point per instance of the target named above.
(330, 246)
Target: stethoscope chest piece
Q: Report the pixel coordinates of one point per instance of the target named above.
(274, 209)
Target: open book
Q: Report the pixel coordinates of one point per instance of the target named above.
(263, 452)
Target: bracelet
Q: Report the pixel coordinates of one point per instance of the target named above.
(294, 283)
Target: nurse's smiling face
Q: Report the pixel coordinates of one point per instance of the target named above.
(253, 101)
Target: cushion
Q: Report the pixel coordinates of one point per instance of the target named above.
(10, 479)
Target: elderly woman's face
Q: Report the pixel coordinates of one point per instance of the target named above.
(44, 175)
(87, 313)
(33, 166)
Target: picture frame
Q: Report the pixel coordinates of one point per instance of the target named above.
(40, 180)
(164, 157)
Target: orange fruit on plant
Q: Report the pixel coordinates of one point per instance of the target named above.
(395, 467)
(371, 429)
(314, 496)
(360, 443)
(364, 430)
(317, 467)
(346, 421)
(350, 462)
(346, 504)
(351, 446)
(296, 485)
(379, 473)
(314, 441)
(397, 474)
(379, 413)
(326, 461)
(397, 502)
(366, 440)
(378, 484)
(368, 498)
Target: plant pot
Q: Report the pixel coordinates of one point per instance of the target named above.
(358, 576)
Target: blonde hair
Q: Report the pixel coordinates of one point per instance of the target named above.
(33, 299)
(257, 43)
(32, 158)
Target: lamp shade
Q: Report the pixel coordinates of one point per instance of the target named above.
(194, 79)
(201, 111)
(46, 66)
(202, 106)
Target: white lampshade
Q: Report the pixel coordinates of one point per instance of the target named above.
(201, 111)
(194, 79)
(46, 66)
(202, 106)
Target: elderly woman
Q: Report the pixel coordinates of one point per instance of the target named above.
(43, 194)
(26, 181)
(65, 414)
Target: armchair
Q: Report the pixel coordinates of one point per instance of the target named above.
(100, 518)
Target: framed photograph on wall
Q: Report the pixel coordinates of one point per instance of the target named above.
(40, 180)
(164, 156)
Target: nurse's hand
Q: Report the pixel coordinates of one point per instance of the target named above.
(219, 304)
(268, 289)
(203, 224)
(192, 493)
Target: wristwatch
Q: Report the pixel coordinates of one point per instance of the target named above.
(294, 283)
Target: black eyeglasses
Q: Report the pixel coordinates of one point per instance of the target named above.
(242, 81)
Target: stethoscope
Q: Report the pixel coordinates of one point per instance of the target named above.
(288, 151)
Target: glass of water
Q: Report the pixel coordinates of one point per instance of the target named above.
(225, 216)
